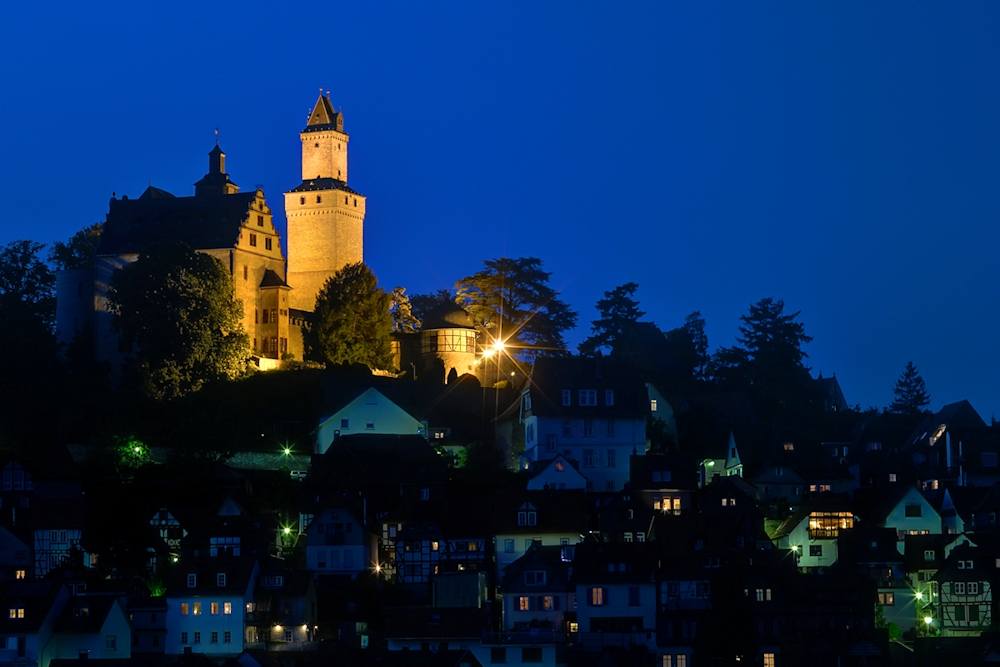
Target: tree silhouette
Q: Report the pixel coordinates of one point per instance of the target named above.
(352, 320)
(910, 393)
(617, 311)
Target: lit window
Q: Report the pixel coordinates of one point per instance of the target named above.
(892, 477)
(652, 405)
(524, 603)
(196, 610)
(20, 574)
(17, 612)
(227, 608)
(768, 660)
(184, 608)
(597, 597)
(214, 608)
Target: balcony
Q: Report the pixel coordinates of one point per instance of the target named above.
(824, 533)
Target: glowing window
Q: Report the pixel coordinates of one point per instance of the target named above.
(227, 608)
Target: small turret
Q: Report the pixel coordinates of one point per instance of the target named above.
(216, 181)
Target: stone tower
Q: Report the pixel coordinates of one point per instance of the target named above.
(325, 217)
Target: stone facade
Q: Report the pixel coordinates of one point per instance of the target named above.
(325, 216)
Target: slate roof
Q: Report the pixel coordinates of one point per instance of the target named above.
(323, 117)
(314, 184)
(427, 623)
(238, 571)
(204, 223)
(85, 614)
(550, 376)
(446, 316)
(272, 279)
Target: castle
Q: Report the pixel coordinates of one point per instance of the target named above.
(325, 232)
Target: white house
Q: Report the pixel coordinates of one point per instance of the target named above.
(370, 412)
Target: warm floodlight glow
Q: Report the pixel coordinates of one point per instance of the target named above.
(378, 568)
(498, 346)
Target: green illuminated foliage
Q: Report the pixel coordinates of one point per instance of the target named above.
(352, 320)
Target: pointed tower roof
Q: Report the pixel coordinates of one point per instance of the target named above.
(323, 117)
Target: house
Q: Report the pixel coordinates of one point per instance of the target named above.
(965, 592)
(907, 512)
(616, 592)
(149, 624)
(556, 473)
(28, 612)
(664, 482)
(812, 531)
(369, 412)
(284, 606)
(207, 602)
(522, 518)
(589, 410)
(539, 595)
(338, 543)
(92, 627)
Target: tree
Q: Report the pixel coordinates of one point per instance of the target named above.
(401, 310)
(617, 311)
(78, 252)
(174, 310)
(421, 304)
(351, 320)
(694, 325)
(27, 285)
(910, 393)
(511, 301)
(768, 358)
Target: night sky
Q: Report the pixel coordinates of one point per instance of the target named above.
(843, 158)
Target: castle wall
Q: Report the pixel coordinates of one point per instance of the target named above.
(74, 303)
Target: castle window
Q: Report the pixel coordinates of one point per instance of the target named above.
(284, 345)
(274, 315)
(319, 199)
(253, 240)
(266, 320)
(260, 221)
(274, 344)
(246, 272)
(267, 244)
(302, 200)
(355, 203)
(345, 198)
(317, 145)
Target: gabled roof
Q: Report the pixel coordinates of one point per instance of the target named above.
(272, 279)
(824, 502)
(614, 562)
(204, 223)
(239, 571)
(86, 614)
(36, 597)
(557, 511)
(553, 560)
(323, 116)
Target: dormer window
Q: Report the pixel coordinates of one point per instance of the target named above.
(17, 612)
(527, 518)
(192, 580)
(534, 578)
(588, 397)
(220, 580)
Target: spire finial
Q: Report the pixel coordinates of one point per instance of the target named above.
(216, 136)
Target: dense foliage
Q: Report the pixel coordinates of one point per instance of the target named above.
(352, 322)
(910, 393)
(175, 312)
(617, 311)
(510, 300)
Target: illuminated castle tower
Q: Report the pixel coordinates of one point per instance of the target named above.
(325, 217)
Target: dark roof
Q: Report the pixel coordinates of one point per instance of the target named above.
(238, 570)
(446, 316)
(85, 614)
(323, 117)
(323, 184)
(36, 597)
(548, 559)
(203, 223)
(551, 376)
(272, 279)
(427, 623)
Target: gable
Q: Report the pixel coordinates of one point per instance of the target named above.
(369, 412)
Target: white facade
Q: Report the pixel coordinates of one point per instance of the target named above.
(370, 412)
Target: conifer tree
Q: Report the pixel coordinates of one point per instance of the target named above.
(617, 311)
(910, 393)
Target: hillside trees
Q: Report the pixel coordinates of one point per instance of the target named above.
(352, 322)
(768, 359)
(511, 301)
(401, 311)
(617, 310)
(910, 395)
(78, 251)
(175, 312)
(421, 304)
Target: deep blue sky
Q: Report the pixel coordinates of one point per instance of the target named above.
(844, 158)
